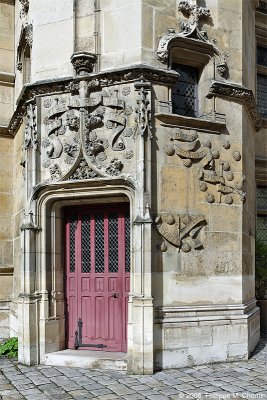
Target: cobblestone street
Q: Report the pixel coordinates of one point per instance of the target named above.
(239, 380)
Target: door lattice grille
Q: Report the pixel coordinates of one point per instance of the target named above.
(72, 226)
(86, 244)
(99, 243)
(127, 243)
(113, 242)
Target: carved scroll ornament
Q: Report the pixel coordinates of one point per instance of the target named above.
(180, 230)
(214, 171)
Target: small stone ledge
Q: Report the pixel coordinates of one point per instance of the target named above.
(235, 92)
(7, 78)
(207, 125)
(6, 271)
(261, 171)
(4, 132)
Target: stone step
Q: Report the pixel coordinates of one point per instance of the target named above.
(87, 359)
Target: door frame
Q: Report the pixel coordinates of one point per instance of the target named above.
(42, 259)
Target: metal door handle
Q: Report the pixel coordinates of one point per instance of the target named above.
(115, 295)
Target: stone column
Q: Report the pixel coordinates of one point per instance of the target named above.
(140, 348)
(28, 315)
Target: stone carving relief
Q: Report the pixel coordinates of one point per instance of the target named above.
(215, 170)
(123, 77)
(83, 171)
(237, 93)
(180, 230)
(192, 29)
(92, 125)
(83, 62)
(31, 128)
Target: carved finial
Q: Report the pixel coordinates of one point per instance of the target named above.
(147, 212)
(195, 14)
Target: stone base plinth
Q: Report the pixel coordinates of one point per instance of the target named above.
(201, 335)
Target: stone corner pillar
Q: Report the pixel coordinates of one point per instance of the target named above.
(140, 345)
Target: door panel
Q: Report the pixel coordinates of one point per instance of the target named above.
(98, 275)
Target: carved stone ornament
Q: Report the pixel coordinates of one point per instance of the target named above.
(29, 34)
(191, 29)
(181, 230)
(96, 125)
(83, 62)
(143, 112)
(28, 223)
(19, 66)
(237, 93)
(129, 74)
(31, 128)
(24, 8)
(212, 173)
(83, 171)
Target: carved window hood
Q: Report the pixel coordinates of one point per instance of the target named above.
(205, 124)
(191, 44)
(197, 52)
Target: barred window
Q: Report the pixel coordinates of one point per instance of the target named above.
(184, 94)
(262, 94)
(262, 56)
(261, 225)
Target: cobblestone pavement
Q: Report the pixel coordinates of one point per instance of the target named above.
(238, 380)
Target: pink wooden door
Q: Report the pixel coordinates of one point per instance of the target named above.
(98, 276)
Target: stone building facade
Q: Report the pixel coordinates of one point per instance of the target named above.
(129, 133)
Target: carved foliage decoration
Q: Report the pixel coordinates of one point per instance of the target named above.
(215, 172)
(191, 29)
(83, 171)
(180, 230)
(83, 62)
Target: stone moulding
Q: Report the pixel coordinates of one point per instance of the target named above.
(207, 125)
(69, 84)
(212, 312)
(239, 93)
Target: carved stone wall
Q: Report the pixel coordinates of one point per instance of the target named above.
(97, 130)
(99, 124)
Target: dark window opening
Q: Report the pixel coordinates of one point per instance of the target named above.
(261, 227)
(262, 56)
(184, 94)
(262, 94)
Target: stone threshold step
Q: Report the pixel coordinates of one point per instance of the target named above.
(87, 359)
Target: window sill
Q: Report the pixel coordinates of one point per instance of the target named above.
(205, 124)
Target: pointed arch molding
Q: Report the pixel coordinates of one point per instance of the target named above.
(193, 39)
